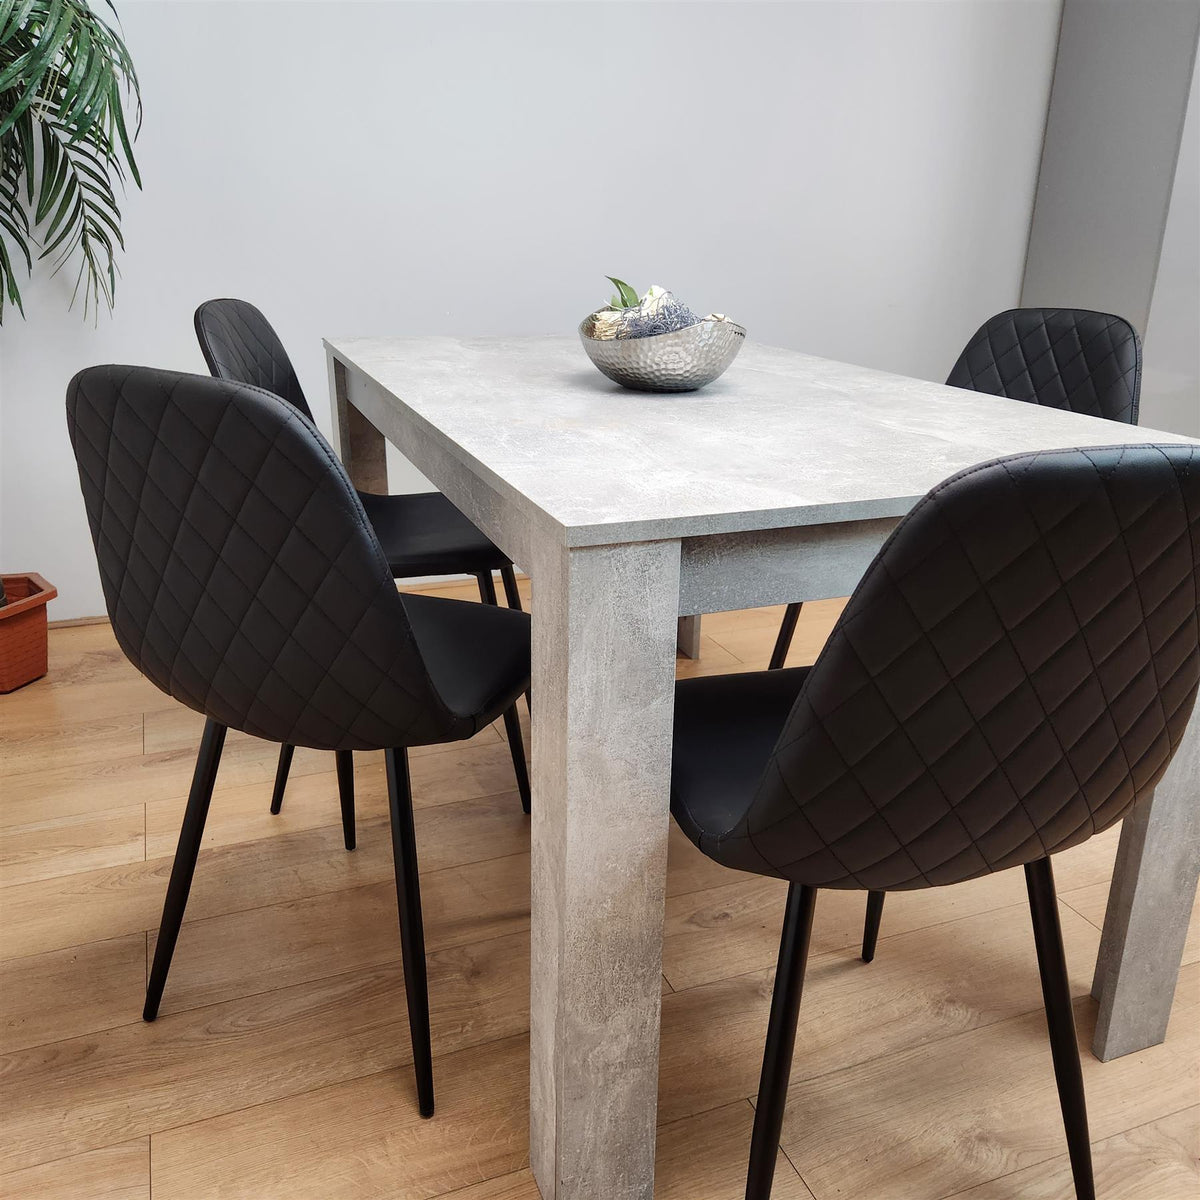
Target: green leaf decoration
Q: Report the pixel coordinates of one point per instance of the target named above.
(626, 297)
(66, 79)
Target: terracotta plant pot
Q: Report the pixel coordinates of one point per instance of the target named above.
(23, 630)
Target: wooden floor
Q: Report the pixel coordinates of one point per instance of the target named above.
(279, 1065)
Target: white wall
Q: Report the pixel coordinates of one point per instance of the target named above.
(1171, 381)
(849, 178)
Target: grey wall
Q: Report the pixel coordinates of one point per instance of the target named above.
(1171, 383)
(852, 178)
(1121, 82)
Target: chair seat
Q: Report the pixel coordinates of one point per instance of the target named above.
(426, 535)
(725, 729)
(476, 654)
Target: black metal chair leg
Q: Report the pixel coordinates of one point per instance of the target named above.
(203, 777)
(781, 1040)
(871, 927)
(511, 594)
(512, 723)
(412, 933)
(1060, 1021)
(783, 643)
(281, 776)
(487, 588)
(516, 747)
(345, 778)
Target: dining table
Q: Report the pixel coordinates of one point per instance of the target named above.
(631, 513)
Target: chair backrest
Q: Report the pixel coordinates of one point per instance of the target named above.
(239, 570)
(1015, 669)
(1070, 358)
(238, 343)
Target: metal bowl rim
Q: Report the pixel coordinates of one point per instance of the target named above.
(733, 325)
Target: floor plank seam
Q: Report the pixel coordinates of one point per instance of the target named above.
(86, 1033)
(187, 754)
(402, 1097)
(1083, 916)
(217, 1003)
(116, 937)
(721, 645)
(799, 1174)
(454, 946)
(953, 1035)
(196, 1008)
(349, 971)
(62, 1158)
(1063, 1152)
(850, 949)
(253, 907)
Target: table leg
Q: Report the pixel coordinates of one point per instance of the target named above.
(603, 699)
(360, 446)
(688, 637)
(1149, 905)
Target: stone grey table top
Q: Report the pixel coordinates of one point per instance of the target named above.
(781, 439)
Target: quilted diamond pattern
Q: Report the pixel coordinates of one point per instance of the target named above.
(238, 343)
(420, 534)
(1087, 362)
(238, 567)
(1015, 669)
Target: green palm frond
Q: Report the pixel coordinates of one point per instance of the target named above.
(65, 76)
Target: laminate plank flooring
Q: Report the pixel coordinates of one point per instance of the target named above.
(280, 1066)
(120, 1172)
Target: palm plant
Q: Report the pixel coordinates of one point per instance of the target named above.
(64, 143)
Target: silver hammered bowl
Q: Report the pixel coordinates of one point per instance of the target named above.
(681, 361)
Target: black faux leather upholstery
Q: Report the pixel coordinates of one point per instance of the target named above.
(238, 343)
(726, 727)
(242, 577)
(1015, 669)
(453, 633)
(424, 534)
(420, 534)
(1087, 362)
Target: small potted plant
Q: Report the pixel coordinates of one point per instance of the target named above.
(23, 650)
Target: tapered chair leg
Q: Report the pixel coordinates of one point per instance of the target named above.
(487, 588)
(412, 933)
(190, 834)
(781, 1040)
(516, 747)
(871, 927)
(511, 594)
(783, 643)
(1060, 1020)
(345, 778)
(281, 776)
(512, 723)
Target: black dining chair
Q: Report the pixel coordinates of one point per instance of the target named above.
(1012, 674)
(243, 578)
(421, 534)
(1070, 358)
